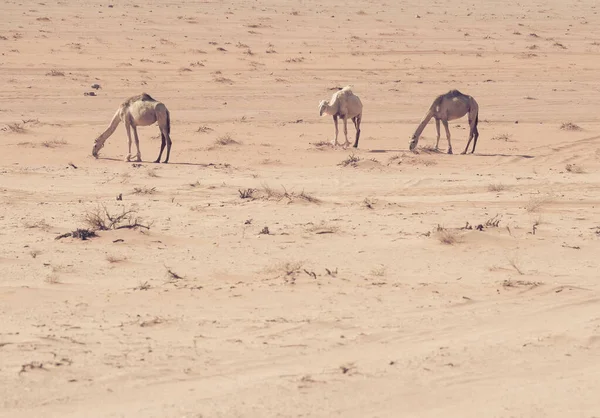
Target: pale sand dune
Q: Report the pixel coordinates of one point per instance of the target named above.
(352, 305)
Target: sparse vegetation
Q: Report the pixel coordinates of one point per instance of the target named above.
(574, 168)
(222, 79)
(268, 193)
(378, 271)
(569, 126)
(55, 73)
(225, 140)
(204, 129)
(501, 137)
(115, 259)
(55, 143)
(447, 236)
(496, 187)
(288, 271)
(515, 264)
(246, 193)
(100, 219)
(144, 190)
(520, 283)
(16, 127)
(536, 202)
(352, 161)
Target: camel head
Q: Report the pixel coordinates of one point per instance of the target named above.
(413, 142)
(323, 107)
(97, 147)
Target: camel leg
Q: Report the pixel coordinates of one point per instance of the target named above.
(346, 131)
(445, 122)
(162, 146)
(437, 128)
(476, 135)
(168, 138)
(356, 121)
(137, 144)
(128, 128)
(335, 123)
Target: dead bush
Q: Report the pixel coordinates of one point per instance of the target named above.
(352, 161)
(569, 126)
(100, 219)
(447, 236)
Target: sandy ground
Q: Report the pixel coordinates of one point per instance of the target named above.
(373, 294)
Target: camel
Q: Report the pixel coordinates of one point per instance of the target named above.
(344, 104)
(141, 110)
(446, 107)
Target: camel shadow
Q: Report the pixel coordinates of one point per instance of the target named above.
(383, 151)
(151, 163)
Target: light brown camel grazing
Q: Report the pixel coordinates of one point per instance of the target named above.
(447, 107)
(343, 104)
(141, 110)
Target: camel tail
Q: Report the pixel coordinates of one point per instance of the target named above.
(99, 142)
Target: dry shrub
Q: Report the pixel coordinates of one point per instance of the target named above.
(204, 129)
(501, 137)
(447, 236)
(268, 193)
(428, 149)
(574, 168)
(246, 193)
(16, 127)
(144, 190)
(115, 259)
(221, 79)
(42, 224)
(520, 283)
(379, 271)
(55, 73)
(287, 271)
(226, 139)
(496, 187)
(55, 143)
(536, 202)
(352, 161)
(100, 219)
(568, 126)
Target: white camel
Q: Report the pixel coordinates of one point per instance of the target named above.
(344, 104)
(446, 107)
(141, 110)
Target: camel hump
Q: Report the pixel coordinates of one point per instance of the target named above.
(145, 97)
(454, 93)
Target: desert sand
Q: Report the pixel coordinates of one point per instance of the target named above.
(272, 275)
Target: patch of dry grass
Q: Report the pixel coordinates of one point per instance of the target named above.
(16, 127)
(569, 126)
(288, 270)
(379, 271)
(574, 168)
(144, 190)
(447, 236)
(225, 140)
(501, 137)
(352, 161)
(204, 129)
(55, 73)
(536, 203)
(268, 193)
(55, 143)
(115, 259)
(497, 187)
